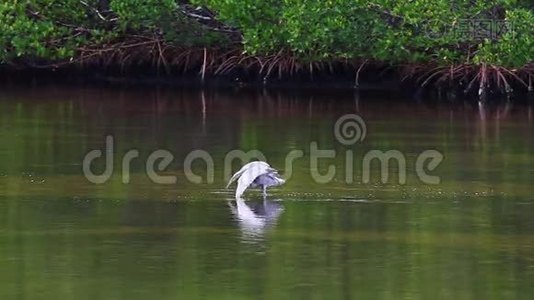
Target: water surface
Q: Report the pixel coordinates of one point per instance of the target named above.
(62, 237)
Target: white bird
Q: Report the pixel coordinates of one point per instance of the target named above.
(255, 174)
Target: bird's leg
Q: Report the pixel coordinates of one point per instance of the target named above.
(264, 196)
(264, 191)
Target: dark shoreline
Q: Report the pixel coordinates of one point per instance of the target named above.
(376, 81)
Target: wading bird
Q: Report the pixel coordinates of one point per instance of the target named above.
(255, 174)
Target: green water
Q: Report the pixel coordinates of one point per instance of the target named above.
(62, 237)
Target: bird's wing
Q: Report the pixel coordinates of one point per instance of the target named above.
(235, 176)
(248, 176)
(253, 164)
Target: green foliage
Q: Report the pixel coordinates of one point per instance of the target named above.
(50, 30)
(425, 31)
(516, 47)
(441, 31)
(24, 31)
(135, 14)
(164, 18)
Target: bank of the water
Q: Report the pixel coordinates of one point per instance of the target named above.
(380, 81)
(477, 47)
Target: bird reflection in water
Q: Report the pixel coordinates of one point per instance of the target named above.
(255, 218)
